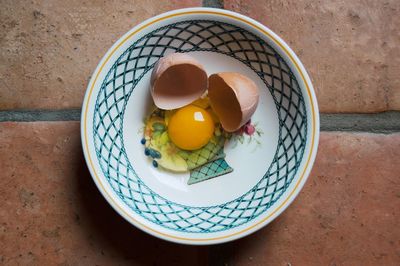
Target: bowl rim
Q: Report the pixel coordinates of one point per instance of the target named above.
(303, 172)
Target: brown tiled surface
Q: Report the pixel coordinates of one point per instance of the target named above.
(347, 214)
(52, 213)
(49, 49)
(351, 49)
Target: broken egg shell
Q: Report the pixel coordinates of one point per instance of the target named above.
(177, 80)
(234, 98)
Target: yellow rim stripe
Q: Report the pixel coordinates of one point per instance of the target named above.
(250, 227)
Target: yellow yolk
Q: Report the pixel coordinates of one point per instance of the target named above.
(191, 127)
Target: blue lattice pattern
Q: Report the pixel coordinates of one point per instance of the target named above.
(210, 36)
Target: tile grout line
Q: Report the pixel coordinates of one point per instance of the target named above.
(386, 122)
(40, 115)
(213, 3)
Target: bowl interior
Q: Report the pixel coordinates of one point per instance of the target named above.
(265, 164)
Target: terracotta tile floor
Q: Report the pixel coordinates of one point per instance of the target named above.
(348, 212)
(52, 214)
(351, 49)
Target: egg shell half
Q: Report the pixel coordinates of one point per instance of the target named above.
(234, 98)
(177, 80)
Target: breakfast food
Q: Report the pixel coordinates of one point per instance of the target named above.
(195, 116)
(160, 147)
(191, 127)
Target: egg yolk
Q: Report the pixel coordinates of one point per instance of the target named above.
(191, 127)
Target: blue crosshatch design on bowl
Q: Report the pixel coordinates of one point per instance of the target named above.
(209, 36)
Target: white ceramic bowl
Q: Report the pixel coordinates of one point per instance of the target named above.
(270, 168)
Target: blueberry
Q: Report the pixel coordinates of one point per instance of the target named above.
(143, 141)
(147, 151)
(155, 164)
